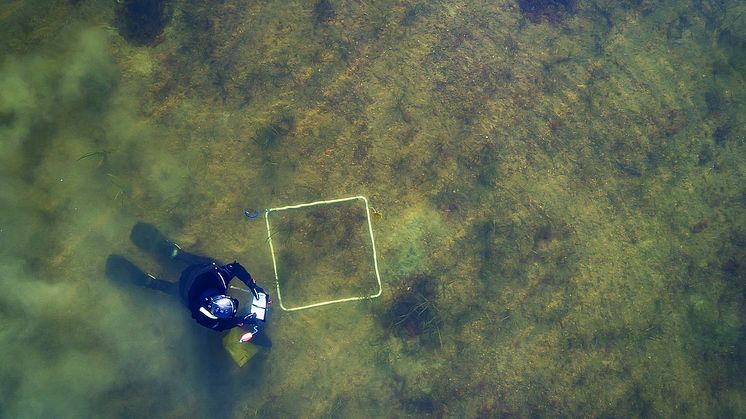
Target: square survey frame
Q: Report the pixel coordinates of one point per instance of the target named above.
(274, 258)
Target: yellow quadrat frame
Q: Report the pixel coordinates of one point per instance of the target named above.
(274, 259)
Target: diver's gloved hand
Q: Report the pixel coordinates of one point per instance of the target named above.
(255, 289)
(249, 318)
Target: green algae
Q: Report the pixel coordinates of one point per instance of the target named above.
(570, 185)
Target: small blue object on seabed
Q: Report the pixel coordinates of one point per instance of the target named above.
(251, 214)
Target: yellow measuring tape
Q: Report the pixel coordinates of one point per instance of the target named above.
(274, 259)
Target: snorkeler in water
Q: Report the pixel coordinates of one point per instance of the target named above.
(202, 287)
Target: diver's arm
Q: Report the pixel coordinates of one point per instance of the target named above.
(226, 324)
(239, 271)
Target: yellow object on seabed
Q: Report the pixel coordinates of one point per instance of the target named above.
(240, 352)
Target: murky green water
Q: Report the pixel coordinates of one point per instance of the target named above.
(558, 192)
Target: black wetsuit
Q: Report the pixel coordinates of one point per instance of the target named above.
(201, 278)
(200, 282)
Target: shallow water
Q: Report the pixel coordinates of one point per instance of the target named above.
(558, 205)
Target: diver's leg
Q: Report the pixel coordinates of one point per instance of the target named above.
(121, 270)
(166, 287)
(149, 238)
(191, 259)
